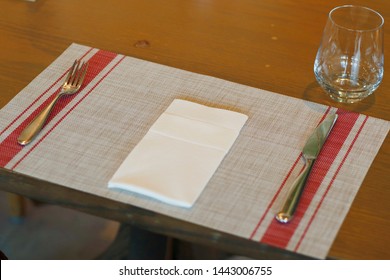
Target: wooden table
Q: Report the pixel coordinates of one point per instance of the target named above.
(268, 44)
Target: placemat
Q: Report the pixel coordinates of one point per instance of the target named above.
(89, 135)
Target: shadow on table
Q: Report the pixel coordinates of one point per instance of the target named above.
(314, 93)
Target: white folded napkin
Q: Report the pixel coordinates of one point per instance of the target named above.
(180, 153)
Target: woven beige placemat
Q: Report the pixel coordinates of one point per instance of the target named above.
(89, 135)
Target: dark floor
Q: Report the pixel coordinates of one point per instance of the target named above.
(49, 232)
(52, 232)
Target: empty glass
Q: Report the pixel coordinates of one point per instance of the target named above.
(349, 61)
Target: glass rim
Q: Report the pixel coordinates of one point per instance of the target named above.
(360, 7)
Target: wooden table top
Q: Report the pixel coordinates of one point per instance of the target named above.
(264, 44)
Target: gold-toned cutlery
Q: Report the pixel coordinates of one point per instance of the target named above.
(310, 153)
(72, 84)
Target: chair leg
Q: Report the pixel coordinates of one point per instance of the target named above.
(132, 243)
(16, 207)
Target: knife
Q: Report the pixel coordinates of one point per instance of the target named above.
(309, 153)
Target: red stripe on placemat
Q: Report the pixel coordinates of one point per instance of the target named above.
(67, 113)
(279, 234)
(275, 196)
(9, 147)
(282, 185)
(40, 96)
(330, 184)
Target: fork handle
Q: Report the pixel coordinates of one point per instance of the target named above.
(33, 128)
(291, 202)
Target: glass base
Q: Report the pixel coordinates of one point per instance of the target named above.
(344, 90)
(346, 96)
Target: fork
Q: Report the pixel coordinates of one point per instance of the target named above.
(72, 84)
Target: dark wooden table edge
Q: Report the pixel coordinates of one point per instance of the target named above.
(55, 194)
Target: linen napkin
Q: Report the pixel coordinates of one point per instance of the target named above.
(179, 154)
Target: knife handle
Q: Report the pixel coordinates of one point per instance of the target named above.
(290, 205)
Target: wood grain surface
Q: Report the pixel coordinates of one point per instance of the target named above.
(268, 44)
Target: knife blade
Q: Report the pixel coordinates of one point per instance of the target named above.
(310, 153)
